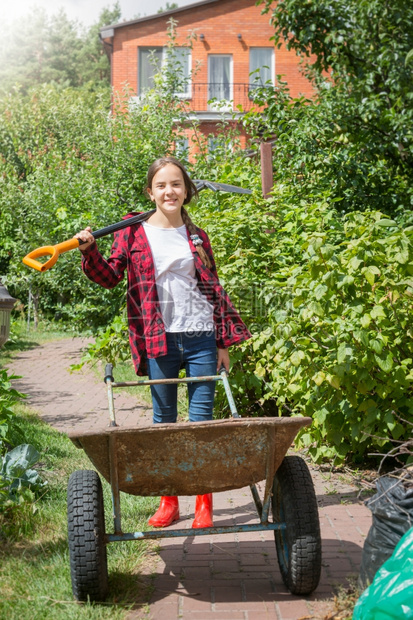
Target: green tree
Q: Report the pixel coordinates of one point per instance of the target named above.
(169, 6)
(24, 50)
(40, 49)
(66, 163)
(333, 341)
(356, 135)
(94, 66)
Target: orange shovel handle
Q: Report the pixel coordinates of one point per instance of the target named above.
(53, 251)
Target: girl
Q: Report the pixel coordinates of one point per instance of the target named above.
(179, 315)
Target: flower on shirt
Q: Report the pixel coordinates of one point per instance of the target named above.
(196, 240)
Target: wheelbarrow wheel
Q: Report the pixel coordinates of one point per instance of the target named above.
(299, 545)
(86, 528)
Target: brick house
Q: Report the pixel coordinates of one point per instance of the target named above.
(232, 41)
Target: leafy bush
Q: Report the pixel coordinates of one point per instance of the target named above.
(67, 163)
(18, 481)
(111, 344)
(8, 397)
(338, 346)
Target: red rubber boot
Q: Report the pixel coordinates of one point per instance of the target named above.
(167, 513)
(203, 511)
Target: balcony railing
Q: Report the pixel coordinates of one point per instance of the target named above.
(218, 97)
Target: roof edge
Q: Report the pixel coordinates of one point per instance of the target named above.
(156, 15)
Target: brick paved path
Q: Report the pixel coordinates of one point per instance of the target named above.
(217, 577)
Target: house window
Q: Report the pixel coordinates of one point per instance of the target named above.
(220, 77)
(218, 143)
(150, 62)
(179, 59)
(213, 143)
(261, 65)
(153, 59)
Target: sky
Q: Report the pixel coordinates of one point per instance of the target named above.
(85, 11)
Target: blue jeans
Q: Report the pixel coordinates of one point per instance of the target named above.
(197, 353)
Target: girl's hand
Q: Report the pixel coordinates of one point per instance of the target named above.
(86, 238)
(223, 359)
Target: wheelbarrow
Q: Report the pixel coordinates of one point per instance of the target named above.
(202, 457)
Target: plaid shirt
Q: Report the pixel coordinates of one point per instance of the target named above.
(147, 337)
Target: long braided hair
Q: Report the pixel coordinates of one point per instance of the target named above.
(191, 192)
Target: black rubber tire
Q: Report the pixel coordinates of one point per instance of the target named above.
(86, 528)
(299, 545)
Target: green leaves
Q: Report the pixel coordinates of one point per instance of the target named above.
(385, 363)
(42, 49)
(339, 350)
(67, 164)
(297, 357)
(355, 137)
(344, 353)
(370, 273)
(17, 476)
(8, 397)
(342, 262)
(386, 222)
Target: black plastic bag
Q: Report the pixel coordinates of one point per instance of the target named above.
(392, 508)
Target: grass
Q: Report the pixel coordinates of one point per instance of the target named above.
(34, 555)
(345, 601)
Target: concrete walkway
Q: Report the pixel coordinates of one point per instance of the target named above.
(217, 577)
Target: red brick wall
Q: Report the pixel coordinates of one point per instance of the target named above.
(220, 23)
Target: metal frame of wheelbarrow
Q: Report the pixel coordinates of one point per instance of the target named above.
(263, 508)
(239, 452)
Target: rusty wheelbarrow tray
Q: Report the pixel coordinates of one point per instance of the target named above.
(202, 457)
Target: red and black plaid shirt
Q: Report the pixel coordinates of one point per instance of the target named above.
(131, 251)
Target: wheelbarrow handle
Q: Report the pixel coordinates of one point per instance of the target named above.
(109, 373)
(54, 251)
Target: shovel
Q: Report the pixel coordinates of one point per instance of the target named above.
(54, 251)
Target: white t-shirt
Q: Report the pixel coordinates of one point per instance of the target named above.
(184, 308)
